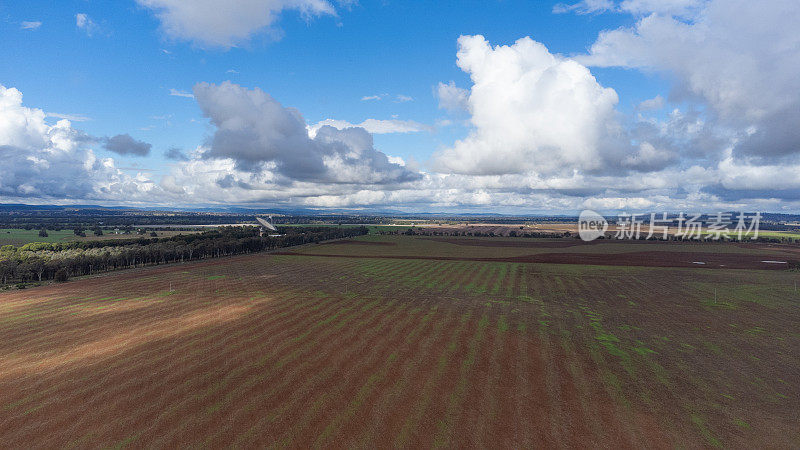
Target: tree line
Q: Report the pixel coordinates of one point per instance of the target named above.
(40, 261)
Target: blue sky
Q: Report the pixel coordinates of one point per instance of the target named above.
(120, 76)
(118, 69)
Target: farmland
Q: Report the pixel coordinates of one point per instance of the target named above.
(414, 341)
(19, 237)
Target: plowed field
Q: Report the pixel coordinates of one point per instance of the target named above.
(381, 345)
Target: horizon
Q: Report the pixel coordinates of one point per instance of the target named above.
(506, 108)
(480, 217)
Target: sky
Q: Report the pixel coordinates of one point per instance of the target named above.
(514, 107)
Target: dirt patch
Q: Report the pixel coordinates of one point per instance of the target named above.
(122, 340)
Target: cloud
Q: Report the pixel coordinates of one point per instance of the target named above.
(618, 203)
(399, 98)
(670, 7)
(543, 134)
(442, 123)
(176, 154)
(45, 161)
(124, 144)
(452, 98)
(636, 7)
(738, 58)
(258, 133)
(170, 184)
(648, 158)
(584, 7)
(683, 133)
(652, 104)
(177, 93)
(530, 110)
(693, 188)
(368, 98)
(208, 23)
(86, 24)
(373, 126)
(30, 25)
(739, 175)
(70, 117)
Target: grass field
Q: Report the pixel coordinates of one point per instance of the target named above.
(18, 237)
(410, 341)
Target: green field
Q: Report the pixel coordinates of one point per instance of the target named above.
(19, 237)
(504, 247)
(373, 229)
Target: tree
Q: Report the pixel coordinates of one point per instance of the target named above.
(97, 231)
(24, 271)
(43, 233)
(37, 267)
(153, 234)
(7, 268)
(21, 265)
(61, 275)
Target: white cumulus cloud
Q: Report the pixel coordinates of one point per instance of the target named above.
(258, 133)
(373, 126)
(530, 110)
(225, 24)
(55, 161)
(452, 97)
(738, 57)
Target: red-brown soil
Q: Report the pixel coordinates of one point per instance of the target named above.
(297, 350)
(354, 242)
(515, 242)
(643, 259)
(656, 259)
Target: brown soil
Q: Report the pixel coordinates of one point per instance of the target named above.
(368, 243)
(643, 259)
(262, 350)
(515, 243)
(656, 259)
